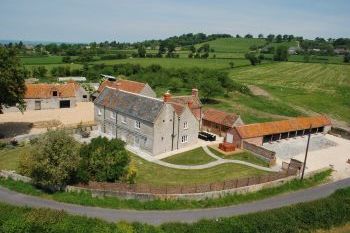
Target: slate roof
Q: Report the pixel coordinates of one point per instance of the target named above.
(276, 127)
(135, 105)
(44, 91)
(220, 117)
(125, 85)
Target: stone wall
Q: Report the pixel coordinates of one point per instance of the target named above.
(14, 176)
(264, 153)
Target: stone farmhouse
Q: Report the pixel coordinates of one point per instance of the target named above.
(152, 125)
(51, 96)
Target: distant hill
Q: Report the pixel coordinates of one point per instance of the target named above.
(233, 45)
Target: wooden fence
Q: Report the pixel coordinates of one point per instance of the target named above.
(185, 189)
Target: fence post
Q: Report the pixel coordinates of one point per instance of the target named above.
(236, 183)
(248, 181)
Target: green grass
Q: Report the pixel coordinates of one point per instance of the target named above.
(41, 60)
(233, 45)
(288, 44)
(179, 62)
(243, 156)
(85, 198)
(9, 158)
(322, 88)
(193, 157)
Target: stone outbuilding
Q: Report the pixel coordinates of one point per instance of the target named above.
(260, 133)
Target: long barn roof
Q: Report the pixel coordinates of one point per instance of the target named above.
(276, 127)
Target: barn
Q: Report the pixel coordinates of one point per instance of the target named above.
(260, 133)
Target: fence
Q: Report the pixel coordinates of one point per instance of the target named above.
(264, 153)
(185, 189)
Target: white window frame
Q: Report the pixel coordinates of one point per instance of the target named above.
(113, 115)
(185, 125)
(99, 112)
(124, 119)
(137, 124)
(184, 138)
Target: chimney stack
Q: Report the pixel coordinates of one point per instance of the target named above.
(166, 96)
(190, 103)
(195, 92)
(117, 85)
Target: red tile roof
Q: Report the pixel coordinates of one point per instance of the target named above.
(184, 100)
(178, 108)
(45, 91)
(276, 127)
(125, 85)
(220, 117)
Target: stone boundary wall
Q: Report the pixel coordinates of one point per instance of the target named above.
(339, 132)
(261, 152)
(14, 176)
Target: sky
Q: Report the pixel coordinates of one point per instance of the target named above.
(137, 20)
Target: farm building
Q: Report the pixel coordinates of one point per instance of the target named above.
(219, 122)
(50, 96)
(260, 133)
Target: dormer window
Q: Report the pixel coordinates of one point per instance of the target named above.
(54, 93)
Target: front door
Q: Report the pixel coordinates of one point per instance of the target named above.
(64, 103)
(37, 105)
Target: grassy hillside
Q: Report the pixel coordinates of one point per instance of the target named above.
(321, 88)
(233, 45)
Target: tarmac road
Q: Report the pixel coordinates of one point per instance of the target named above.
(159, 217)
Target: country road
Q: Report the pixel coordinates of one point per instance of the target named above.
(158, 217)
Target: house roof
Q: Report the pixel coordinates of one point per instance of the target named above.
(139, 106)
(125, 85)
(276, 127)
(184, 100)
(220, 117)
(44, 91)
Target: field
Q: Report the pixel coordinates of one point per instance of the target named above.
(233, 45)
(308, 88)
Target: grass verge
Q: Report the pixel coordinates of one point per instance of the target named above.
(326, 213)
(85, 198)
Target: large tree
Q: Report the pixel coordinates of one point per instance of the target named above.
(12, 76)
(281, 54)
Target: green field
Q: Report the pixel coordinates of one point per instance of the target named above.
(9, 158)
(193, 157)
(233, 45)
(42, 60)
(321, 88)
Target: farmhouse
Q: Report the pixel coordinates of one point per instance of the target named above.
(129, 86)
(149, 124)
(260, 133)
(50, 96)
(219, 122)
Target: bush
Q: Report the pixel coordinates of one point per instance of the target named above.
(52, 162)
(103, 160)
(2, 145)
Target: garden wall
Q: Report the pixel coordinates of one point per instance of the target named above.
(261, 152)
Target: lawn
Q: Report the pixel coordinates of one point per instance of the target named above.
(192, 157)
(41, 60)
(243, 156)
(150, 173)
(320, 88)
(9, 158)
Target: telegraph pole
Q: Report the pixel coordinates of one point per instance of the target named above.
(306, 152)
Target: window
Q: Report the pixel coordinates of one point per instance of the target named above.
(113, 115)
(84, 96)
(124, 119)
(185, 125)
(54, 93)
(184, 139)
(137, 124)
(99, 112)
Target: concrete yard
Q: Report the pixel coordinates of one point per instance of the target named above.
(325, 151)
(19, 123)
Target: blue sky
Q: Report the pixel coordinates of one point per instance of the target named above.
(135, 20)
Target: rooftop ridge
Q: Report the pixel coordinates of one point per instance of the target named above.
(132, 93)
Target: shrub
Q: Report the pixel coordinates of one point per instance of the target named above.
(53, 160)
(103, 160)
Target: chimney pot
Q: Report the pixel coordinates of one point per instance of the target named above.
(195, 92)
(166, 96)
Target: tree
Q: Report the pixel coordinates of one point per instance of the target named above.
(281, 54)
(103, 160)
(210, 87)
(141, 51)
(270, 38)
(260, 36)
(190, 55)
(67, 59)
(53, 161)
(192, 49)
(238, 36)
(279, 38)
(252, 58)
(248, 36)
(232, 64)
(12, 76)
(39, 72)
(347, 57)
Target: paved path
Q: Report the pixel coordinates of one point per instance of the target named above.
(158, 217)
(217, 162)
